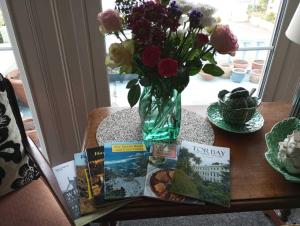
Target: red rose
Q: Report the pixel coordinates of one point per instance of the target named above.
(201, 40)
(150, 56)
(223, 40)
(168, 67)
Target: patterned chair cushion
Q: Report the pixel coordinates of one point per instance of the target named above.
(16, 167)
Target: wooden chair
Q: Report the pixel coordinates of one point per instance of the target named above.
(39, 202)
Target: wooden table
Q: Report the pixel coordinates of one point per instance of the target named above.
(254, 184)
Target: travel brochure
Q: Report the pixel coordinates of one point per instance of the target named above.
(110, 176)
(95, 157)
(125, 169)
(66, 178)
(203, 172)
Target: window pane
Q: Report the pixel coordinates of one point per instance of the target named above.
(253, 21)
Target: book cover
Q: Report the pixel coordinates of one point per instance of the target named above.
(125, 168)
(66, 178)
(95, 157)
(164, 150)
(160, 171)
(83, 184)
(203, 172)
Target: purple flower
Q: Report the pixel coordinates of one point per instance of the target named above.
(174, 10)
(194, 18)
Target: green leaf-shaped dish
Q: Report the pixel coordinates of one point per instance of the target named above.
(277, 134)
(215, 117)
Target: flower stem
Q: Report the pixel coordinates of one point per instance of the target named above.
(122, 32)
(118, 36)
(209, 49)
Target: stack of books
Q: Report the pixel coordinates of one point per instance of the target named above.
(112, 175)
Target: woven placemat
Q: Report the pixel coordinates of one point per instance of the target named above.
(125, 125)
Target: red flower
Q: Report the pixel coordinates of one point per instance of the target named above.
(168, 67)
(150, 56)
(201, 40)
(141, 30)
(223, 40)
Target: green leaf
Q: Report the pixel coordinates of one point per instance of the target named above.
(134, 95)
(144, 81)
(165, 2)
(131, 83)
(210, 58)
(213, 70)
(194, 70)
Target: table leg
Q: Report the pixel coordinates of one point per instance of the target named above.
(278, 217)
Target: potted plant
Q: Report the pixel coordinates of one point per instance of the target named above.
(169, 43)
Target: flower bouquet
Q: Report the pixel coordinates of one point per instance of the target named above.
(169, 41)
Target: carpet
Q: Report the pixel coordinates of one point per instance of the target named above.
(256, 218)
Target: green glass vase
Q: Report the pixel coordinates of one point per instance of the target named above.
(160, 117)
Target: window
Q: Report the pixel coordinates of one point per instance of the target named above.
(254, 22)
(10, 70)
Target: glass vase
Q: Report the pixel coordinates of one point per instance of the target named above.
(160, 117)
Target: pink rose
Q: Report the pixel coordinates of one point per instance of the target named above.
(110, 21)
(223, 40)
(201, 40)
(151, 56)
(168, 67)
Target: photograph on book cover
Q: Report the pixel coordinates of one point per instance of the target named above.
(203, 172)
(125, 168)
(95, 157)
(66, 177)
(160, 171)
(164, 150)
(83, 183)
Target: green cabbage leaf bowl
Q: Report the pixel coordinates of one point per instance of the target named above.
(277, 134)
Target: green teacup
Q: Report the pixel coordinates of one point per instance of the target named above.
(237, 106)
(236, 116)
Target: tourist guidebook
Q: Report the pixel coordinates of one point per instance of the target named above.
(160, 170)
(203, 172)
(66, 178)
(95, 157)
(125, 169)
(83, 183)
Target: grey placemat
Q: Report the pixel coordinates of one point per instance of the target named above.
(125, 125)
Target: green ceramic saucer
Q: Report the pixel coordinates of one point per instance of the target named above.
(254, 124)
(277, 134)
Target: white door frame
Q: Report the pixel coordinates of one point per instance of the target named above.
(284, 70)
(61, 49)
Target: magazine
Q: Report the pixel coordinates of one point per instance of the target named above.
(95, 157)
(125, 169)
(160, 170)
(203, 172)
(83, 183)
(66, 178)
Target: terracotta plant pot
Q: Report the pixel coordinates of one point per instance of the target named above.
(205, 76)
(255, 75)
(239, 63)
(14, 78)
(227, 70)
(258, 64)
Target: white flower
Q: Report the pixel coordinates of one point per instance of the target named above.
(185, 6)
(183, 19)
